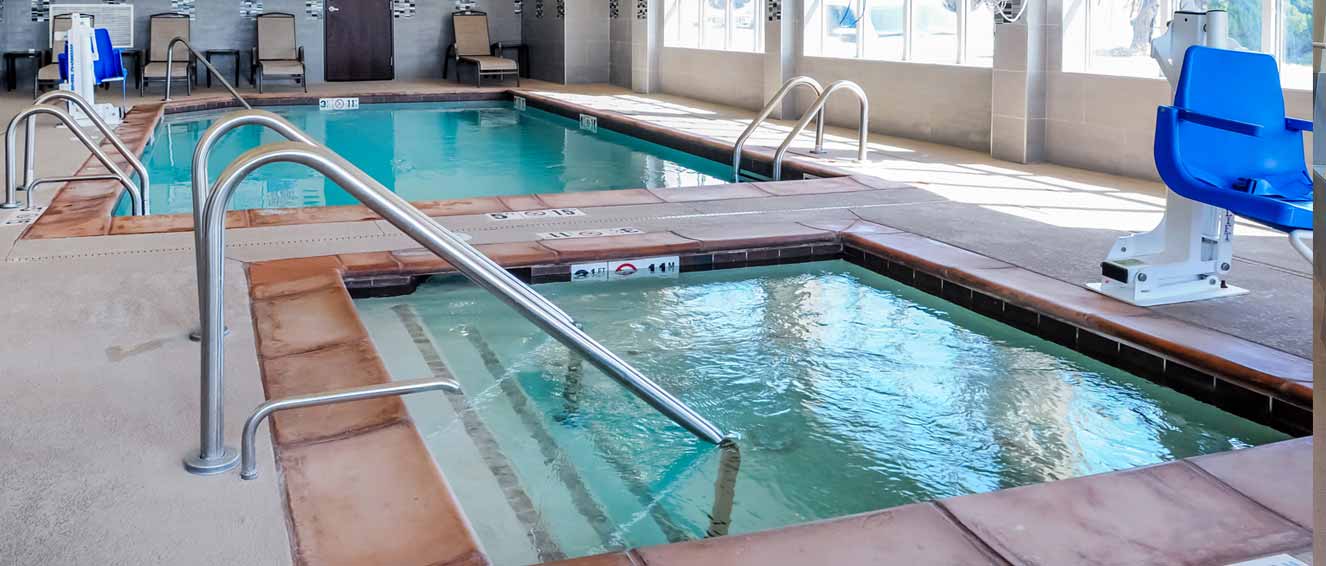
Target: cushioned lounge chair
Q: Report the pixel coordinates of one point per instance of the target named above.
(278, 56)
(49, 74)
(162, 28)
(472, 46)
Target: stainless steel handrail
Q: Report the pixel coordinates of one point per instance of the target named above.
(170, 66)
(249, 469)
(214, 457)
(30, 158)
(202, 155)
(11, 157)
(818, 106)
(778, 97)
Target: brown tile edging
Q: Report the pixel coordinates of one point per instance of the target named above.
(83, 208)
(754, 159)
(325, 333)
(360, 485)
(1183, 512)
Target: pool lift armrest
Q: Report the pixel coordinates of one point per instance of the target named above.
(1298, 124)
(1238, 127)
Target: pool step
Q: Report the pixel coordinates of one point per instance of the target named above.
(493, 457)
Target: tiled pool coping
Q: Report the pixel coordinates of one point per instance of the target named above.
(372, 468)
(84, 208)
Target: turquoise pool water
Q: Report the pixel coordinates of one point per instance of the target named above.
(424, 151)
(849, 391)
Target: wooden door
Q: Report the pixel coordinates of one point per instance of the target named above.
(358, 41)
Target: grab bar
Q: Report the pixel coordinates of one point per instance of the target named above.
(863, 130)
(11, 145)
(170, 66)
(249, 469)
(214, 457)
(791, 83)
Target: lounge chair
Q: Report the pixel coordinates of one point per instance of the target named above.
(50, 73)
(162, 29)
(277, 55)
(471, 45)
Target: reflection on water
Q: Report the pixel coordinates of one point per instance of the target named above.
(847, 392)
(424, 152)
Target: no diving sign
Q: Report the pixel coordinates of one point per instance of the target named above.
(626, 269)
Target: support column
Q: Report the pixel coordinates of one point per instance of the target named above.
(1318, 288)
(780, 41)
(1017, 126)
(646, 33)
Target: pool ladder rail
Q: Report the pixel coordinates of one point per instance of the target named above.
(213, 457)
(170, 66)
(28, 118)
(814, 112)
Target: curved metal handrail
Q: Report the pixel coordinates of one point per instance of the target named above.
(202, 154)
(29, 160)
(788, 86)
(170, 66)
(249, 469)
(818, 106)
(214, 457)
(11, 146)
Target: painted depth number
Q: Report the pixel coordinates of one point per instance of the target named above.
(338, 103)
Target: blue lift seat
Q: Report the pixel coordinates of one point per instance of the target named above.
(1226, 140)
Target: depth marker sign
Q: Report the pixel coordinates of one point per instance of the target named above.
(645, 267)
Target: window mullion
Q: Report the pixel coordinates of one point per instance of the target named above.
(907, 30)
(962, 31)
(861, 35)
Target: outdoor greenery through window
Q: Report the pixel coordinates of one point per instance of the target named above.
(1119, 32)
(728, 25)
(932, 31)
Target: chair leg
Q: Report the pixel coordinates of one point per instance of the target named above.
(260, 83)
(304, 81)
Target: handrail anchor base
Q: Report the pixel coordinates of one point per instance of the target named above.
(194, 462)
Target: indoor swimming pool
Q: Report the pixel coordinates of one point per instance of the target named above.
(847, 392)
(423, 151)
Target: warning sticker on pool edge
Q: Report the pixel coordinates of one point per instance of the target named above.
(591, 233)
(535, 214)
(347, 103)
(644, 267)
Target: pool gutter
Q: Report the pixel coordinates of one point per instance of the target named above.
(1212, 509)
(85, 208)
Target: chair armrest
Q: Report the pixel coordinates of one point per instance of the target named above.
(300, 55)
(497, 49)
(1245, 128)
(1298, 125)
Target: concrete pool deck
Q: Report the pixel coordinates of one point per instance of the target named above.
(111, 391)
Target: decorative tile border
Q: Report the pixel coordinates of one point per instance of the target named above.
(1220, 507)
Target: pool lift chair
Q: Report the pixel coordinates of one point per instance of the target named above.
(1224, 148)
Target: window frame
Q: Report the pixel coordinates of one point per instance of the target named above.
(961, 55)
(729, 21)
(1272, 35)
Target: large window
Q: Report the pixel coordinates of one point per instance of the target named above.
(1118, 34)
(933, 31)
(729, 25)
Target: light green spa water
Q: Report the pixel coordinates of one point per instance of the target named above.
(849, 392)
(423, 151)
